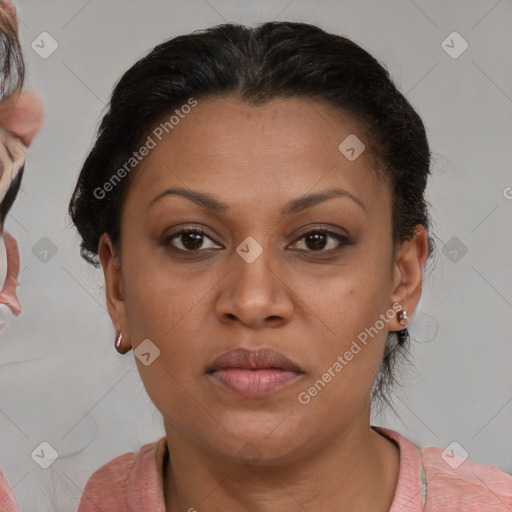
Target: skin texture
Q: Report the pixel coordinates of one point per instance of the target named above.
(308, 304)
(23, 116)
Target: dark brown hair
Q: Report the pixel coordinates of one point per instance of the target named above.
(12, 67)
(12, 74)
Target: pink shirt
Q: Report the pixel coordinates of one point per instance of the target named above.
(134, 482)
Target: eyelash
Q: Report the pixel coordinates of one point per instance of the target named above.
(342, 240)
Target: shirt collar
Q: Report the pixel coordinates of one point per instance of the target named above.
(409, 495)
(148, 473)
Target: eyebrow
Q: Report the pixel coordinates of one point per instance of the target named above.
(292, 207)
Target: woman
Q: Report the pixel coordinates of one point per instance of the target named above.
(20, 119)
(255, 197)
(21, 116)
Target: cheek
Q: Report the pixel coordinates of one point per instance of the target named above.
(355, 309)
(169, 313)
(347, 362)
(171, 309)
(157, 298)
(353, 298)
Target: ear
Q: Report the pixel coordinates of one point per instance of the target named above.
(408, 275)
(114, 290)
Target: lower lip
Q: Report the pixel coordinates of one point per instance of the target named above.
(254, 383)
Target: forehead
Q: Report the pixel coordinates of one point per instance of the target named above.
(286, 127)
(284, 147)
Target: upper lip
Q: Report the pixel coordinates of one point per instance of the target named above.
(263, 358)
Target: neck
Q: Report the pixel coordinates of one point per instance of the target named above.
(357, 471)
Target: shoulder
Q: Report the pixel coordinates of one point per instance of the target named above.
(434, 479)
(456, 483)
(127, 480)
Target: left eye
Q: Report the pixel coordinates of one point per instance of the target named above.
(317, 240)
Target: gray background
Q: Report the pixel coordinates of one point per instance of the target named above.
(61, 380)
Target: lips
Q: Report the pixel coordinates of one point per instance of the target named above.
(264, 358)
(253, 373)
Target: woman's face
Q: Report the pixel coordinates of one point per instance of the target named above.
(312, 298)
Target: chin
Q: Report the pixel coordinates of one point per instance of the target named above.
(258, 438)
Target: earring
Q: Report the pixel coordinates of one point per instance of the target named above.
(402, 317)
(120, 349)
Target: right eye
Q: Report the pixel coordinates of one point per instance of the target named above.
(188, 240)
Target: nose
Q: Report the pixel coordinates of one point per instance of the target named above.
(255, 293)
